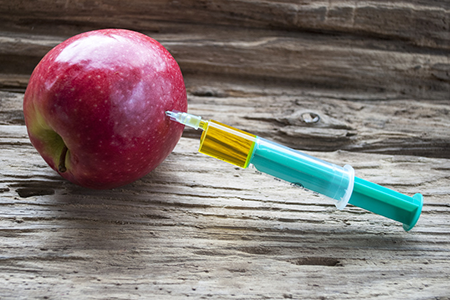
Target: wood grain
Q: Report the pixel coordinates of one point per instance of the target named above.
(374, 73)
(181, 232)
(386, 49)
(420, 23)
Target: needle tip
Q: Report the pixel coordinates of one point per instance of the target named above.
(172, 115)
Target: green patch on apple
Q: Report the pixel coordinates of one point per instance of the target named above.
(53, 144)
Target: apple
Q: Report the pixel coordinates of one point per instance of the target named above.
(95, 107)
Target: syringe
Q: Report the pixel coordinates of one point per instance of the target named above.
(337, 183)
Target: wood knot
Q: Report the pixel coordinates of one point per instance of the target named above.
(309, 117)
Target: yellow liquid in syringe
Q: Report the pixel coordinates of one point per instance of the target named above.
(227, 143)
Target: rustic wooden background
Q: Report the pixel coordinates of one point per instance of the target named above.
(376, 72)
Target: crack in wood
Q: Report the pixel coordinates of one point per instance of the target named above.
(31, 192)
(316, 261)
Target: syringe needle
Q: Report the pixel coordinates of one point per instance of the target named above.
(172, 115)
(185, 119)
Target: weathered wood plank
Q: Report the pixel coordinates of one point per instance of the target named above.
(342, 64)
(388, 49)
(301, 60)
(420, 23)
(180, 232)
(400, 127)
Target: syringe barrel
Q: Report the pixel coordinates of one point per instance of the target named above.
(296, 167)
(241, 149)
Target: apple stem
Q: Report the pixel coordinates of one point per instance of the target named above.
(62, 160)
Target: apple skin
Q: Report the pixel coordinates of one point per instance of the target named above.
(95, 107)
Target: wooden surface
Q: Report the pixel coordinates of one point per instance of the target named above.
(377, 74)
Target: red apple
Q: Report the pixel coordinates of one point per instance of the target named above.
(95, 107)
